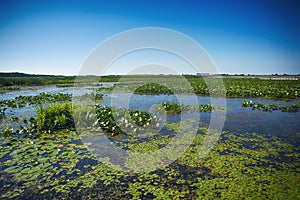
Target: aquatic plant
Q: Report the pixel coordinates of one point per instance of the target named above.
(270, 107)
(53, 163)
(248, 165)
(170, 108)
(175, 108)
(153, 88)
(101, 89)
(233, 87)
(89, 98)
(11, 88)
(133, 121)
(55, 117)
(206, 108)
(42, 98)
(66, 85)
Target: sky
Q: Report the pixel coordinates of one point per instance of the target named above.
(241, 36)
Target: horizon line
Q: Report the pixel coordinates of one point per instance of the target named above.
(195, 74)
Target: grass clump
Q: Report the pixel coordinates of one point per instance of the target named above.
(55, 117)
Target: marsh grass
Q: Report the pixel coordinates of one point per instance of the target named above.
(233, 87)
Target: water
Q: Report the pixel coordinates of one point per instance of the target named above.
(237, 118)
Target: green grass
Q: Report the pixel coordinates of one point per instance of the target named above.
(55, 117)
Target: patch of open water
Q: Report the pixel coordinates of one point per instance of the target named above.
(237, 118)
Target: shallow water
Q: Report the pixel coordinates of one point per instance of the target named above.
(237, 118)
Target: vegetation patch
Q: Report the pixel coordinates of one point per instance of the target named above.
(233, 87)
(270, 107)
(38, 100)
(153, 88)
(55, 117)
(133, 122)
(247, 165)
(175, 108)
(42, 156)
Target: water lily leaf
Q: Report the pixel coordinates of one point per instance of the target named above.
(12, 169)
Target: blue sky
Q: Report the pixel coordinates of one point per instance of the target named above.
(55, 37)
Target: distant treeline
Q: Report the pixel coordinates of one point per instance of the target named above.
(18, 74)
(21, 79)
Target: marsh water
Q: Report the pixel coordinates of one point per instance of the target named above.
(58, 170)
(237, 119)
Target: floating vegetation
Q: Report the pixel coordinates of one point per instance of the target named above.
(41, 99)
(133, 122)
(249, 165)
(264, 88)
(27, 128)
(105, 89)
(175, 108)
(153, 88)
(206, 108)
(249, 87)
(10, 88)
(89, 98)
(66, 85)
(233, 87)
(170, 108)
(270, 107)
(42, 157)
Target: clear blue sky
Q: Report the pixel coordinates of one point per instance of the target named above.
(242, 36)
